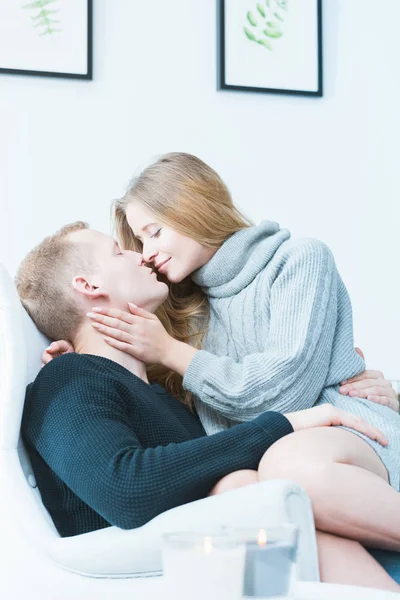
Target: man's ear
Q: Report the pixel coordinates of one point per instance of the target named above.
(88, 289)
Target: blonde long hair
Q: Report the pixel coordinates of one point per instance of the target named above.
(189, 196)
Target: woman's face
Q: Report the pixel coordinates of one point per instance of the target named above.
(174, 255)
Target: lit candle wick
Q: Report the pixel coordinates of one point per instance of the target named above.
(262, 538)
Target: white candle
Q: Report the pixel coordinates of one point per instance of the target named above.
(270, 556)
(203, 567)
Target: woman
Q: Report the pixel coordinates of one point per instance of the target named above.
(279, 337)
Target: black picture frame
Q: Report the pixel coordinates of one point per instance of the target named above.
(89, 70)
(221, 58)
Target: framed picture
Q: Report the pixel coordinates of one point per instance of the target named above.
(272, 46)
(46, 37)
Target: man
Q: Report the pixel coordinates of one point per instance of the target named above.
(108, 447)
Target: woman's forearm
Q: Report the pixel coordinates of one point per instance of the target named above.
(177, 356)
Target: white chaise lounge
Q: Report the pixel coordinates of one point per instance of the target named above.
(112, 552)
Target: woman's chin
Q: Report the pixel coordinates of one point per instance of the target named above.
(176, 278)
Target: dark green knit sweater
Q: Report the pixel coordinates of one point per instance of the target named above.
(108, 448)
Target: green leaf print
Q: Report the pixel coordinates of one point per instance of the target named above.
(265, 43)
(251, 19)
(272, 34)
(261, 10)
(250, 35)
(44, 19)
(283, 4)
(267, 26)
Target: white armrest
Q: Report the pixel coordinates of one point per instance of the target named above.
(113, 552)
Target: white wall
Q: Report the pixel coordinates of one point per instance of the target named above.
(322, 167)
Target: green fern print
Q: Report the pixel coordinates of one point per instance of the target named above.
(264, 23)
(44, 18)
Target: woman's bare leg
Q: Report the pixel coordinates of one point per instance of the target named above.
(340, 560)
(346, 481)
(347, 562)
(234, 480)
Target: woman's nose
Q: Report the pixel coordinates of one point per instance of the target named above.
(149, 253)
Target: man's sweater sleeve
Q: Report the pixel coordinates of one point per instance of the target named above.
(290, 373)
(90, 445)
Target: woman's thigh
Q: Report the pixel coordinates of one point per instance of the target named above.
(320, 446)
(234, 480)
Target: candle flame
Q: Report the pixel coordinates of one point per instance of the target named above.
(262, 538)
(208, 545)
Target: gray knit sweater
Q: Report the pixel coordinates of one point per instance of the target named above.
(280, 333)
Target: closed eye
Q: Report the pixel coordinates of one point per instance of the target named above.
(156, 234)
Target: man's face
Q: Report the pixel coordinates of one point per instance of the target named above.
(120, 273)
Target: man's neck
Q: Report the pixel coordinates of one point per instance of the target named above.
(89, 341)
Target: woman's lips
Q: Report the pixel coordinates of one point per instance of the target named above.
(161, 268)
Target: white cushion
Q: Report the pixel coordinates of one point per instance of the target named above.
(21, 349)
(112, 552)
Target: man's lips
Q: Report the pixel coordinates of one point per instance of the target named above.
(161, 266)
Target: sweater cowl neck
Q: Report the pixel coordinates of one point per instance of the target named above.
(240, 259)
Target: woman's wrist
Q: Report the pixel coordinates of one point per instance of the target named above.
(178, 356)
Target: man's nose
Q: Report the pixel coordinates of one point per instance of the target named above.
(137, 257)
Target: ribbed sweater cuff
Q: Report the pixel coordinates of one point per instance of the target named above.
(275, 424)
(198, 368)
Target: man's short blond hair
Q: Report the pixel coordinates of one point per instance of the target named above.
(44, 283)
